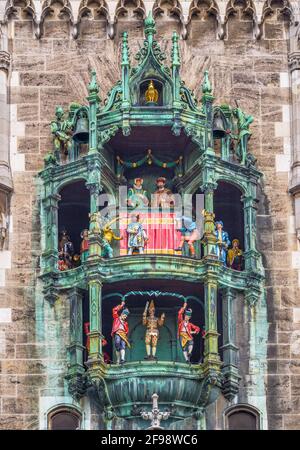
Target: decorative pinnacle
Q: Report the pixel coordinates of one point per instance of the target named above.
(125, 50)
(93, 86)
(175, 50)
(206, 86)
(149, 25)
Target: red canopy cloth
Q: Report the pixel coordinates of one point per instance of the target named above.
(160, 229)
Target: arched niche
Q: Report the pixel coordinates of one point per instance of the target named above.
(228, 207)
(168, 348)
(242, 417)
(56, 16)
(93, 16)
(202, 22)
(240, 14)
(73, 211)
(158, 85)
(64, 418)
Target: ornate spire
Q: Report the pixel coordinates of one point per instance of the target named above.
(149, 23)
(206, 86)
(93, 86)
(175, 50)
(125, 50)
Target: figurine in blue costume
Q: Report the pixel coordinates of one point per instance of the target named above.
(222, 243)
(189, 234)
(136, 235)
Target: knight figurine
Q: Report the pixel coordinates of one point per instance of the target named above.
(120, 331)
(243, 123)
(61, 129)
(136, 235)
(151, 322)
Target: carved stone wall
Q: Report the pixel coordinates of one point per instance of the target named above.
(53, 45)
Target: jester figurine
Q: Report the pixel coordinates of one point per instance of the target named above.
(152, 334)
(235, 256)
(185, 331)
(120, 331)
(222, 243)
(137, 196)
(108, 236)
(136, 235)
(84, 246)
(189, 234)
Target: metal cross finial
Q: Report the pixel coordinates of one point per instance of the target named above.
(156, 416)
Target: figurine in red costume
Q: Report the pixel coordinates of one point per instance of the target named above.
(106, 356)
(185, 331)
(120, 331)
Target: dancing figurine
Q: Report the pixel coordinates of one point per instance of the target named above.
(189, 234)
(120, 331)
(185, 331)
(235, 256)
(222, 243)
(152, 334)
(136, 235)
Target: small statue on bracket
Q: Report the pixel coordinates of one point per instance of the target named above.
(84, 246)
(222, 243)
(62, 131)
(189, 234)
(243, 123)
(152, 334)
(235, 256)
(136, 235)
(185, 331)
(120, 331)
(137, 196)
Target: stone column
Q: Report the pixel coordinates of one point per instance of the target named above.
(50, 254)
(209, 239)
(294, 65)
(5, 174)
(251, 254)
(229, 369)
(76, 348)
(211, 354)
(95, 295)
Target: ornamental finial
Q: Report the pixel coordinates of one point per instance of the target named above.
(93, 86)
(175, 50)
(149, 23)
(125, 50)
(206, 86)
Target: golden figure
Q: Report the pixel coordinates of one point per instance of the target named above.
(151, 323)
(151, 94)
